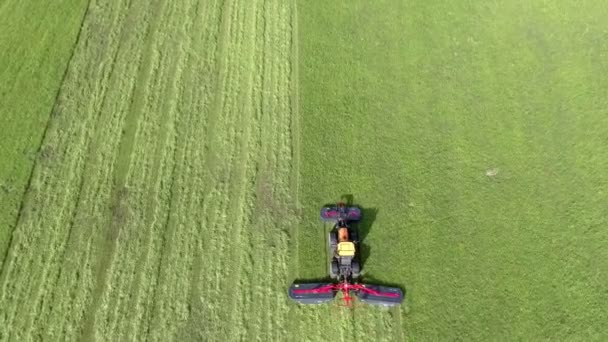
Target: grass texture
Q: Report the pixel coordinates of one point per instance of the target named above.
(36, 43)
(176, 190)
(165, 186)
(473, 133)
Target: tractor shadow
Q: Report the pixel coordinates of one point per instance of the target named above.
(369, 216)
(369, 278)
(363, 228)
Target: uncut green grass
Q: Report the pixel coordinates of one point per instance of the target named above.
(407, 105)
(36, 43)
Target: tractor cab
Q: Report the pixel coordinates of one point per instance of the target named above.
(343, 240)
(342, 243)
(345, 248)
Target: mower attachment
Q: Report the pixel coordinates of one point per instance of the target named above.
(341, 212)
(312, 293)
(380, 295)
(319, 293)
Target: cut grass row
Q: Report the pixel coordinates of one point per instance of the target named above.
(37, 41)
(163, 207)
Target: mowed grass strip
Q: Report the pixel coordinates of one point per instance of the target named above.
(50, 272)
(166, 210)
(473, 135)
(36, 41)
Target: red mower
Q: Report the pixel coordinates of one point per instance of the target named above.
(344, 266)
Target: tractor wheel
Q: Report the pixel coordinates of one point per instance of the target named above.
(354, 236)
(334, 269)
(355, 268)
(333, 240)
(329, 214)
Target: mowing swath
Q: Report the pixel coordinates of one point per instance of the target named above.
(344, 266)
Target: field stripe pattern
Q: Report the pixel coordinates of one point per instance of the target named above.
(164, 202)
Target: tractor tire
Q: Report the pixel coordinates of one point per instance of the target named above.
(334, 269)
(354, 236)
(355, 269)
(333, 240)
(329, 214)
(354, 214)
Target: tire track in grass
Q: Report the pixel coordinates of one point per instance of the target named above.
(105, 144)
(285, 157)
(259, 263)
(168, 72)
(121, 305)
(265, 189)
(268, 190)
(245, 174)
(303, 318)
(168, 75)
(123, 78)
(200, 321)
(81, 242)
(96, 191)
(207, 301)
(275, 198)
(158, 206)
(177, 234)
(224, 140)
(108, 237)
(188, 92)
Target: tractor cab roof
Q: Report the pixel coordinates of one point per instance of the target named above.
(346, 249)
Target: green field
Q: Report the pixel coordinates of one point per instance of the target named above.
(187, 147)
(33, 60)
(407, 106)
(154, 204)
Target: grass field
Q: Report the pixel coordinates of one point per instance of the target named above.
(166, 184)
(36, 43)
(406, 106)
(175, 194)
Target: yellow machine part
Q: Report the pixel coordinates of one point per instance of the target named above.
(346, 249)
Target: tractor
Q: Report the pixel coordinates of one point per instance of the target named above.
(343, 241)
(344, 265)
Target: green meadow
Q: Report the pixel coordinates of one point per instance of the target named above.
(162, 167)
